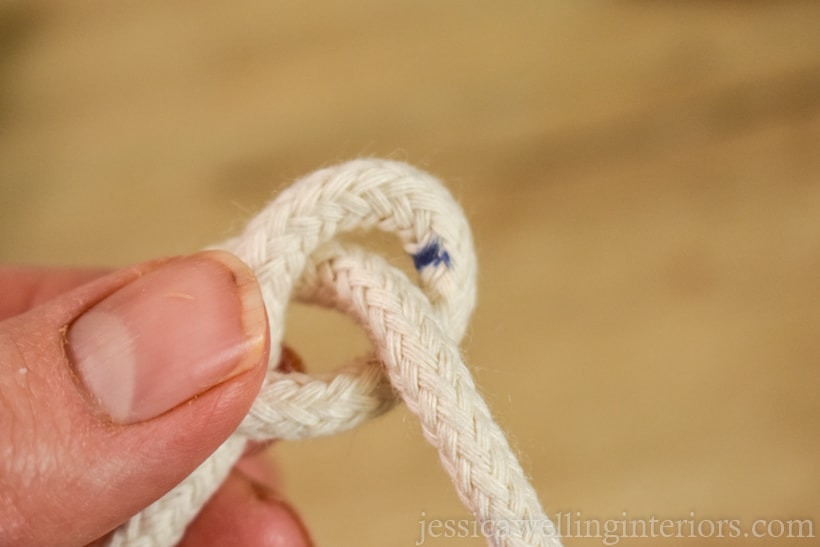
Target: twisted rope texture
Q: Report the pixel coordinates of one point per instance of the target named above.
(292, 248)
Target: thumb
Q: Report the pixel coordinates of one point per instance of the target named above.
(114, 392)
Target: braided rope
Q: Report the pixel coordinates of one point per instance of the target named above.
(415, 331)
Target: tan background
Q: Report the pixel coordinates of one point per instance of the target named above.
(643, 178)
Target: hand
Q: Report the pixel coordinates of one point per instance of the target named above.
(115, 386)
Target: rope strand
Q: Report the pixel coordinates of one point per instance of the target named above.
(414, 330)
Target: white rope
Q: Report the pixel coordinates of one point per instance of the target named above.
(414, 331)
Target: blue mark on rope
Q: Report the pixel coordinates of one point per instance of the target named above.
(431, 255)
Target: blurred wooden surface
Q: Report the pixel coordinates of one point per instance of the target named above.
(644, 183)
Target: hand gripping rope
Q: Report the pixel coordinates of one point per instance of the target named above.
(414, 331)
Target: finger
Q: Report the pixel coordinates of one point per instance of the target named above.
(244, 513)
(25, 287)
(259, 468)
(114, 392)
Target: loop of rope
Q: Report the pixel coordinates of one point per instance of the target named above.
(415, 331)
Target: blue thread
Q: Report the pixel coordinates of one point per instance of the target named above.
(431, 254)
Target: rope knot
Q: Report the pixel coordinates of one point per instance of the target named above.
(292, 247)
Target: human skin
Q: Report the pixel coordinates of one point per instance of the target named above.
(81, 454)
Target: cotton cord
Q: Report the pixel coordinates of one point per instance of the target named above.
(293, 249)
